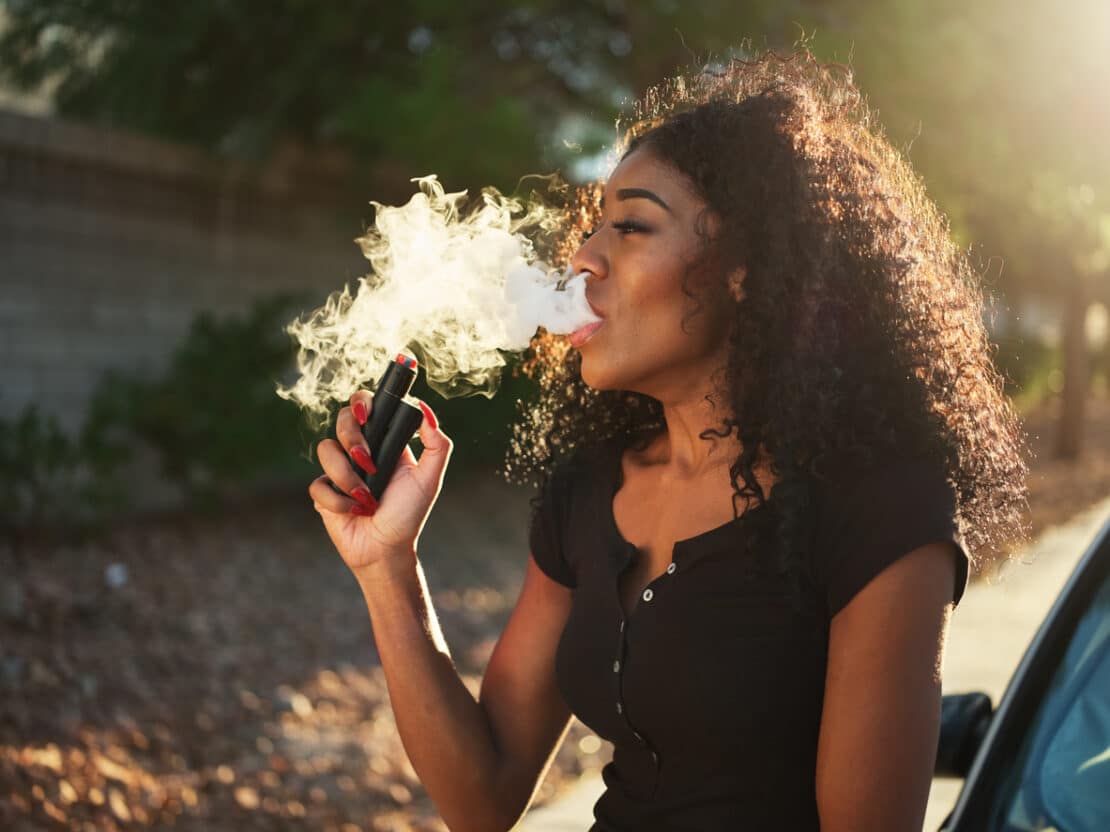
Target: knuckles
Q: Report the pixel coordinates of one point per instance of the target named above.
(328, 448)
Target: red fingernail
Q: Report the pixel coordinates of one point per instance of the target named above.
(360, 412)
(429, 416)
(361, 510)
(364, 496)
(363, 459)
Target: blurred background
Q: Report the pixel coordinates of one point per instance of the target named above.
(179, 643)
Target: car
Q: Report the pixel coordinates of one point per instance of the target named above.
(1041, 759)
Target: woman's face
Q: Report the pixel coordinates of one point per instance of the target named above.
(637, 256)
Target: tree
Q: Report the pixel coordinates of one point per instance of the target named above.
(470, 91)
(1001, 106)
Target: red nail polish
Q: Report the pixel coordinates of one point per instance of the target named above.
(429, 416)
(360, 412)
(364, 496)
(359, 454)
(360, 510)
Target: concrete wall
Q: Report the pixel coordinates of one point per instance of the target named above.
(110, 243)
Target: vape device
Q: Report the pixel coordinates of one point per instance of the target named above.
(392, 423)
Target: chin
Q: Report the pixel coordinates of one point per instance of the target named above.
(598, 375)
(594, 376)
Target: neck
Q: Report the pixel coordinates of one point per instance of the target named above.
(681, 448)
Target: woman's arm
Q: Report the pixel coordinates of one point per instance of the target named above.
(881, 719)
(480, 761)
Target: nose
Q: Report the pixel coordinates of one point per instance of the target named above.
(590, 258)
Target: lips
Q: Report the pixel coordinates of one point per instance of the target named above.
(581, 336)
(584, 333)
(594, 308)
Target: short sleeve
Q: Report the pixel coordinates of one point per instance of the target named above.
(546, 534)
(871, 520)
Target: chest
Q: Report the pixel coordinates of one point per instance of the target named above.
(709, 662)
(653, 514)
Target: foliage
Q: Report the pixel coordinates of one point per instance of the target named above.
(482, 96)
(211, 423)
(212, 419)
(417, 87)
(1002, 112)
(46, 477)
(1027, 364)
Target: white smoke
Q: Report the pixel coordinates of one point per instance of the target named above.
(454, 290)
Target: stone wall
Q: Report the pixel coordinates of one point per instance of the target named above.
(110, 243)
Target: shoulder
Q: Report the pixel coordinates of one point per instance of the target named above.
(872, 500)
(869, 518)
(565, 509)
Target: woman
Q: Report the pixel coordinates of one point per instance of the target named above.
(786, 320)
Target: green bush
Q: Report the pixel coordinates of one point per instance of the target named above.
(212, 422)
(47, 478)
(212, 418)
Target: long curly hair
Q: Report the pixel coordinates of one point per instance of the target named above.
(859, 330)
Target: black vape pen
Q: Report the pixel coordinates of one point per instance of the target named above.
(392, 423)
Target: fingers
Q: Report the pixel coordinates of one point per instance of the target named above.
(348, 429)
(325, 499)
(436, 453)
(337, 468)
(362, 404)
(431, 437)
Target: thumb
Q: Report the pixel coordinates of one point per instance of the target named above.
(437, 450)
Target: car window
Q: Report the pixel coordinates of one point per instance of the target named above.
(1060, 778)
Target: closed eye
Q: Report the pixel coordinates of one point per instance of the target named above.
(628, 227)
(625, 227)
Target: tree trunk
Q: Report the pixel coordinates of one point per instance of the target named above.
(1074, 399)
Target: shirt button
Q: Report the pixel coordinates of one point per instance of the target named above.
(620, 710)
(622, 625)
(617, 666)
(637, 736)
(671, 568)
(648, 594)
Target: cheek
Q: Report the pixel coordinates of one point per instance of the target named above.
(664, 307)
(659, 291)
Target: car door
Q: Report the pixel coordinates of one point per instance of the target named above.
(1043, 762)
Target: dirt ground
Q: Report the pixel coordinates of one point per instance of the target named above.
(219, 672)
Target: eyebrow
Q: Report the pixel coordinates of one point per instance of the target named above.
(639, 193)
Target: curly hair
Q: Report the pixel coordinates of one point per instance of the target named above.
(859, 330)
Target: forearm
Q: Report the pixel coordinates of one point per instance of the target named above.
(443, 729)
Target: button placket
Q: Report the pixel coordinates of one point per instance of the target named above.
(620, 666)
(618, 670)
(617, 667)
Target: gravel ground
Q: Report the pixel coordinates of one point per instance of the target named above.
(219, 672)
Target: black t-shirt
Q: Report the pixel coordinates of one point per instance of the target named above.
(711, 690)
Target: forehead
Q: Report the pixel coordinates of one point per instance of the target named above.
(641, 169)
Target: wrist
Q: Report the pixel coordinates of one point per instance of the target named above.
(386, 572)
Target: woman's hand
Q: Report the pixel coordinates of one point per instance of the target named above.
(366, 533)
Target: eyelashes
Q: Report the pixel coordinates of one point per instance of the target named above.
(629, 227)
(623, 227)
